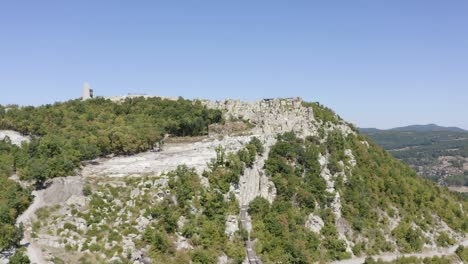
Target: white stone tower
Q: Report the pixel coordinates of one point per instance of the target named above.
(87, 91)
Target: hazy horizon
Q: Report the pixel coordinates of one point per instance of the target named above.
(377, 64)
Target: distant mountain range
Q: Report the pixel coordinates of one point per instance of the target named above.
(436, 152)
(416, 128)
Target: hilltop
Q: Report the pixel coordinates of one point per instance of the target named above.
(179, 181)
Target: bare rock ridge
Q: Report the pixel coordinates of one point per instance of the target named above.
(270, 116)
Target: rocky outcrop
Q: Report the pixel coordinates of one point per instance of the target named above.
(270, 116)
(14, 137)
(232, 225)
(314, 223)
(195, 155)
(254, 182)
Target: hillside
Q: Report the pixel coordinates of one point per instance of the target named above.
(416, 128)
(438, 154)
(178, 181)
(428, 128)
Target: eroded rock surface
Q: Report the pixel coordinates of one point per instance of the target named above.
(15, 137)
(195, 155)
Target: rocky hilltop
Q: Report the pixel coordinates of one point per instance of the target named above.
(276, 181)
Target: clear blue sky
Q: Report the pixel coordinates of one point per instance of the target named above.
(376, 63)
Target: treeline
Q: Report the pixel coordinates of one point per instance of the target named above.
(440, 140)
(64, 134)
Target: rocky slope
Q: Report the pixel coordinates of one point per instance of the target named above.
(131, 208)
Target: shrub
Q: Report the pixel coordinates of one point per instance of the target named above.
(70, 226)
(462, 252)
(87, 191)
(19, 258)
(444, 240)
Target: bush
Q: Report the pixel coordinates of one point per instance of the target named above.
(444, 240)
(70, 226)
(259, 207)
(87, 191)
(260, 149)
(19, 258)
(462, 252)
(200, 256)
(408, 238)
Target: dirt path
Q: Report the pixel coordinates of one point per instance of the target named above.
(58, 192)
(33, 251)
(438, 252)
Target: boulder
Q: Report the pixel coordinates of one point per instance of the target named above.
(314, 223)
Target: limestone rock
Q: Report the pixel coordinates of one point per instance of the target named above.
(181, 222)
(78, 201)
(232, 225)
(142, 223)
(314, 223)
(15, 137)
(182, 243)
(223, 259)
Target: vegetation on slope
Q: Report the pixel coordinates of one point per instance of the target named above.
(182, 208)
(380, 182)
(376, 190)
(422, 151)
(280, 228)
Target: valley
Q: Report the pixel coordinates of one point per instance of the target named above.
(437, 153)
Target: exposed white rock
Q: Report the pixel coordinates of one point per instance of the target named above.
(223, 259)
(195, 155)
(254, 182)
(350, 155)
(142, 223)
(182, 243)
(232, 225)
(59, 191)
(15, 137)
(322, 160)
(336, 205)
(76, 200)
(314, 223)
(270, 116)
(365, 143)
(181, 222)
(134, 193)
